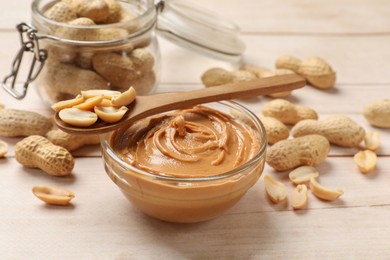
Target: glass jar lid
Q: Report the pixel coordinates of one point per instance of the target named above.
(198, 29)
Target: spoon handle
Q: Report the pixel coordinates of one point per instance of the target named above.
(264, 86)
(150, 105)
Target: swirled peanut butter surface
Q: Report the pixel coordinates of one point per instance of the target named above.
(194, 142)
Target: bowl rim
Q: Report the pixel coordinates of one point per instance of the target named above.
(106, 148)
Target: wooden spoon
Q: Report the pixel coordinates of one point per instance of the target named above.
(145, 106)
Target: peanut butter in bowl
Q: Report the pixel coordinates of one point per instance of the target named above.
(187, 165)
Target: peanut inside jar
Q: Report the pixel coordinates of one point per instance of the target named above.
(194, 142)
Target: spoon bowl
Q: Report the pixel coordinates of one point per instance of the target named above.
(145, 106)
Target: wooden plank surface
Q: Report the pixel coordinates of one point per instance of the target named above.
(353, 35)
(334, 17)
(102, 224)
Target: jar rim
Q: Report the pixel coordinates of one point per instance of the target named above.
(106, 148)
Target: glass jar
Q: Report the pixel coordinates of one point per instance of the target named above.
(79, 50)
(83, 55)
(187, 199)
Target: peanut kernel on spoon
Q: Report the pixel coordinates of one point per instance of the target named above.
(77, 117)
(322, 192)
(125, 98)
(303, 174)
(110, 114)
(51, 195)
(276, 190)
(67, 103)
(299, 197)
(106, 103)
(90, 103)
(109, 94)
(365, 160)
(3, 148)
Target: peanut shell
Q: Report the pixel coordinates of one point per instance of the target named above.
(38, 152)
(15, 122)
(288, 154)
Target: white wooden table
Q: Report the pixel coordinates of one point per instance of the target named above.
(353, 35)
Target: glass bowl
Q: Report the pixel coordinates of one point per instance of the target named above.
(188, 199)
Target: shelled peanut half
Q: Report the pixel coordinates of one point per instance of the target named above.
(305, 178)
(3, 148)
(91, 105)
(53, 195)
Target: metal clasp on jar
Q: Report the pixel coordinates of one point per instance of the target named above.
(29, 42)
